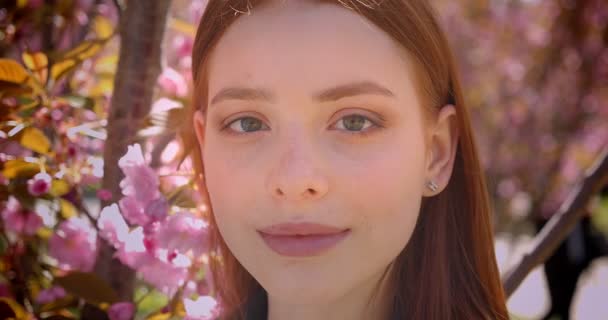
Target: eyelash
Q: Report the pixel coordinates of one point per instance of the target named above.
(374, 125)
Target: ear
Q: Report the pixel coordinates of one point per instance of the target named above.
(441, 151)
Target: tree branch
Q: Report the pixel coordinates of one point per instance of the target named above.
(561, 223)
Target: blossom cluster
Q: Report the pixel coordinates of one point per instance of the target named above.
(167, 245)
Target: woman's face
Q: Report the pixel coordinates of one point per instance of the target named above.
(312, 117)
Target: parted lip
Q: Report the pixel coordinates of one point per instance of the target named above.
(301, 228)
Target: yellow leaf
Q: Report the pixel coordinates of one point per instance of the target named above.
(159, 316)
(67, 209)
(15, 168)
(34, 139)
(107, 64)
(12, 71)
(37, 62)
(183, 26)
(62, 67)
(44, 233)
(88, 50)
(73, 57)
(103, 86)
(99, 109)
(103, 27)
(59, 188)
(17, 310)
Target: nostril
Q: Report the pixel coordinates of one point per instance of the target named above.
(312, 191)
(279, 192)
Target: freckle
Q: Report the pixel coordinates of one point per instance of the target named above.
(366, 223)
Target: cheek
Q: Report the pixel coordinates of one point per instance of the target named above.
(229, 183)
(385, 192)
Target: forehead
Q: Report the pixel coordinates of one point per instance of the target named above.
(312, 44)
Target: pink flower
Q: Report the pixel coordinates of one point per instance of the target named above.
(132, 251)
(163, 105)
(182, 45)
(50, 295)
(133, 211)
(33, 222)
(40, 184)
(121, 311)
(163, 275)
(157, 209)
(74, 245)
(140, 180)
(19, 219)
(112, 226)
(183, 232)
(104, 194)
(173, 83)
(203, 308)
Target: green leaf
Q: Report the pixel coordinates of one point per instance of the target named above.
(88, 286)
(182, 197)
(78, 101)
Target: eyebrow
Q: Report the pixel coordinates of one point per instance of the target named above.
(327, 95)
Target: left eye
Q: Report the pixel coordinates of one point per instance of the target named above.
(354, 122)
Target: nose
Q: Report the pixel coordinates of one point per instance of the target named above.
(296, 176)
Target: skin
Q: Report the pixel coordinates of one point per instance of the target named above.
(293, 158)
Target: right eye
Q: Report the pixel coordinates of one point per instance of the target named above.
(246, 124)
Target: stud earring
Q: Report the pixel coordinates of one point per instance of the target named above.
(432, 185)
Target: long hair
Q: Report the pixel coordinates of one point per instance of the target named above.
(448, 269)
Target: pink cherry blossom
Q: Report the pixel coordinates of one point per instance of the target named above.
(74, 245)
(140, 180)
(50, 295)
(163, 275)
(173, 83)
(40, 184)
(203, 308)
(133, 211)
(157, 209)
(112, 226)
(20, 220)
(182, 45)
(133, 251)
(183, 232)
(33, 222)
(121, 311)
(164, 105)
(104, 194)
(161, 247)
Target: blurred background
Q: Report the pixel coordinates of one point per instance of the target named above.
(80, 80)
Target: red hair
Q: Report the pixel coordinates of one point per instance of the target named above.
(448, 269)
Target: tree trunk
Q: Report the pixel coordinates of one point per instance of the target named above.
(142, 25)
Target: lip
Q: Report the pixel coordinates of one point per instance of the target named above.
(302, 239)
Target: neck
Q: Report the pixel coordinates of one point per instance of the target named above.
(370, 300)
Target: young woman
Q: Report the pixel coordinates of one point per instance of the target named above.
(334, 149)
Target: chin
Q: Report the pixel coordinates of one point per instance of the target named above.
(304, 293)
(301, 283)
